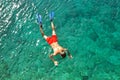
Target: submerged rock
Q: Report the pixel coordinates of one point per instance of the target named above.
(115, 60)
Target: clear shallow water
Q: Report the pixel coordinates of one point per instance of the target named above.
(90, 29)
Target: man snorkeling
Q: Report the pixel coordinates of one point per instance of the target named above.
(52, 41)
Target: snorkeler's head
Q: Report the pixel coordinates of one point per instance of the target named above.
(63, 54)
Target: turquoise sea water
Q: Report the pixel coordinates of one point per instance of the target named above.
(90, 29)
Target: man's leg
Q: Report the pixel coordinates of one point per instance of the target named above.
(51, 15)
(53, 28)
(41, 30)
(39, 20)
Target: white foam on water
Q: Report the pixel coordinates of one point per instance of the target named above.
(30, 32)
(37, 43)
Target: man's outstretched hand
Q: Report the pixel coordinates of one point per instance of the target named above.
(55, 63)
(70, 56)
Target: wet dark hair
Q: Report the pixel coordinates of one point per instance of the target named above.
(63, 54)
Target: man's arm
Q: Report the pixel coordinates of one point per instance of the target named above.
(69, 54)
(51, 57)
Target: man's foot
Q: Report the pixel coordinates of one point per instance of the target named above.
(51, 15)
(39, 19)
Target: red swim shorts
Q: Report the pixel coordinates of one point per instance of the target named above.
(52, 39)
